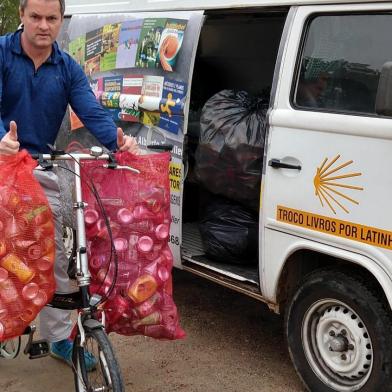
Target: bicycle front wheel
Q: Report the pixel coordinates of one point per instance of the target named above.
(107, 374)
(10, 348)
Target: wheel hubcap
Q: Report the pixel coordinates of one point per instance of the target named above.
(337, 345)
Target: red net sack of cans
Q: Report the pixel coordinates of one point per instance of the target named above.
(27, 248)
(138, 209)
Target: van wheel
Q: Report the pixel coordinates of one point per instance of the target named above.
(339, 334)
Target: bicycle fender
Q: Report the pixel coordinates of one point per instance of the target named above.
(92, 324)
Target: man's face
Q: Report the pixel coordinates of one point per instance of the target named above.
(42, 22)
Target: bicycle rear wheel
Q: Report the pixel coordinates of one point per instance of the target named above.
(107, 374)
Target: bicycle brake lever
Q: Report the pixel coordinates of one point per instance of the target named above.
(44, 163)
(53, 151)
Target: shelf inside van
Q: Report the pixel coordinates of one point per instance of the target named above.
(192, 251)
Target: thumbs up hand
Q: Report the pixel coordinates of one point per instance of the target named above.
(9, 143)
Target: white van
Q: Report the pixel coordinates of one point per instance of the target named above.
(324, 193)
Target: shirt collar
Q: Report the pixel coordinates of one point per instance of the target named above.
(16, 48)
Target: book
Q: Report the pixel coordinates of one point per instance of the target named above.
(77, 49)
(172, 106)
(128, 43)
(110, 37)
(129, 99)
(170, 43)
(150, 36)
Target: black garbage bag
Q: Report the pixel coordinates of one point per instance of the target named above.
(229, 231)
(229, 157)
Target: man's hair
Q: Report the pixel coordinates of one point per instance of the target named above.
(23, 4)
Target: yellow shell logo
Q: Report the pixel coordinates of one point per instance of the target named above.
(329, 187)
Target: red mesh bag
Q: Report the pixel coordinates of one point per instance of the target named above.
(27, 248)
(138, 209)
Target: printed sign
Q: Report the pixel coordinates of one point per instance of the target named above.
(340, 228)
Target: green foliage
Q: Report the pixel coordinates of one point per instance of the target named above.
(9, 15)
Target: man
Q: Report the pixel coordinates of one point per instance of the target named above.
(310, 91)
(37, 83)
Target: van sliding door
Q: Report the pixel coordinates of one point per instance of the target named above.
(140, 67)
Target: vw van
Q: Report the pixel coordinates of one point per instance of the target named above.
(323, 213)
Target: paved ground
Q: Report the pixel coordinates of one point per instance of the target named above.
(233, 344)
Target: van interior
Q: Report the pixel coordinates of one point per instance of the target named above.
(236, 51)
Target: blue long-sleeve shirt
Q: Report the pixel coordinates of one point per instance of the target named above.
(37, 99)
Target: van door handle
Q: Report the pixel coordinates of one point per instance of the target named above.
(277, 164)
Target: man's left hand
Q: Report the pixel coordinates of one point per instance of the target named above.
(127, 143)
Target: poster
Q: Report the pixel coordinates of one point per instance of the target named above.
(77, 49)
(110, 98)
(172, 106)
(93, 52)
(129, 99)
(150, 99)
(128, 43)
(150, 36)
(110, 37)
(170, 43)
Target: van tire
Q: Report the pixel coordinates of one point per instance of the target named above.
(341, 318)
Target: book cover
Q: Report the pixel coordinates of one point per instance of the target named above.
(170, 43)
(77, 49)
(112, 88)
(110, 37)
(150, 36)
(115, 113)
(128, 43)
(97, 87)
(172, 106)
(129, 99)
(150, 99)
(93, 51)
(92, 66)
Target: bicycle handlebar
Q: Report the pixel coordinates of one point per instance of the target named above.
(95, 153)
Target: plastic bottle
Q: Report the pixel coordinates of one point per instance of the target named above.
(44, 264)
(124, 216)
(118, 306)
(154, 199)
(15, 265)
(162, 232)
(30, 291)
(148, 306)
(145, 244)
(143, 288)
(152, 319)
(14, 229)
(91, 217)
(142, 213)
(8, 292)
(41, 299)
(34, 251)
(3, 275)
(3, 311)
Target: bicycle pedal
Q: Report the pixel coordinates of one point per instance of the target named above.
(39, 349)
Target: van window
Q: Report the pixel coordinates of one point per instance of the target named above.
(341, 62)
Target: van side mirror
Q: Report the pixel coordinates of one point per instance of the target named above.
(384, 91)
